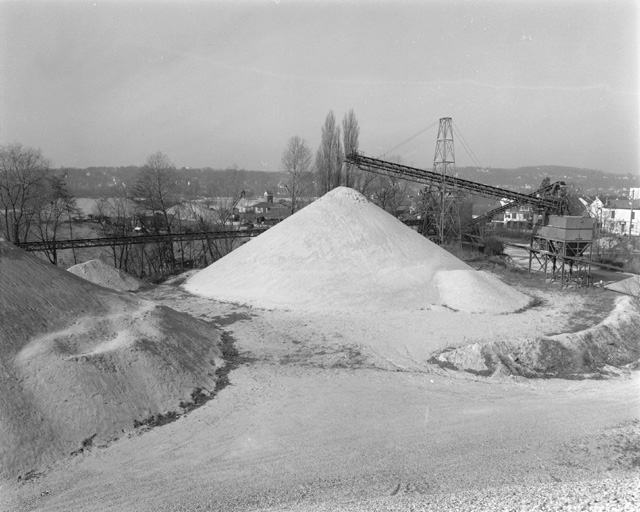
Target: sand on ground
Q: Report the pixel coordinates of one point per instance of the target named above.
(370, 370)
(322, 414)
(103, 274)
(81, 364)
(342, 252)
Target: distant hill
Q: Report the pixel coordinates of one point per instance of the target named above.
(527, 179)
(103, 181)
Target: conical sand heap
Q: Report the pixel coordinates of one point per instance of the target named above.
(103, 274)
(343, 252)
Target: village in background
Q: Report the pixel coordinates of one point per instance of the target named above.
(159, 199)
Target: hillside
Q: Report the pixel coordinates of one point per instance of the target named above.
(81, 364)
(528, 179)
(103, 181)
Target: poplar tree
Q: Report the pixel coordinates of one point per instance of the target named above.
(350, 134)
(329, 156)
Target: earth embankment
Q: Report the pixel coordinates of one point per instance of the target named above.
(81, 364)
(596, 352)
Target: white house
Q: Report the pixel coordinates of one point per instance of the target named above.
(518, 215)
(618, 216)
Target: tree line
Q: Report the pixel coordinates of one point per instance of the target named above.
(191, 183)
(35, 202)
(35, 205)
(156, 204)
(306, 175)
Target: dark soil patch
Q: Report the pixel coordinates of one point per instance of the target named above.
(86, 445)
(489, 362)
(157, 420)
(30, 475)
(533, 303)
(596, 310)
(344, 356)
(352, 357)
(230, 319)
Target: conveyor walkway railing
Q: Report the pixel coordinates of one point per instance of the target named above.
(429, 177)
(80, 243)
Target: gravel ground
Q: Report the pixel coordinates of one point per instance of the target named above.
(340, 412)
(610, 495)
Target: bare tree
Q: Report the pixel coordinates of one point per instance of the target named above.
(155, 190)
(54, 214)
(329, 156)
(389, 191)
(22, 178)
(201, 217)
(116, 216)
(296, 163)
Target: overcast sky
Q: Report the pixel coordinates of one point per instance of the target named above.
(217, 83)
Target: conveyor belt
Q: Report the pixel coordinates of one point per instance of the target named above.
(429, 177)
(141, 239)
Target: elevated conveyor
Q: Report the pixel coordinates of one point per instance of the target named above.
(80, 243)
(539, 199)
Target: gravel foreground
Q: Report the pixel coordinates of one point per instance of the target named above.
(609, 495)
(340, 412)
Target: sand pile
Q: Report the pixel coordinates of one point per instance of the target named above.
(343, 252)
(103, 274)
(628, 286)
(80, 363)
(595, 352)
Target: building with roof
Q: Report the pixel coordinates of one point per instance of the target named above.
(617, 216)
(191, 214)
(520, 215)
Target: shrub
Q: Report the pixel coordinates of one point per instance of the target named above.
(493, 247)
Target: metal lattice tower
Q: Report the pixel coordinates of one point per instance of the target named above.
(441, 201)
(444, 161)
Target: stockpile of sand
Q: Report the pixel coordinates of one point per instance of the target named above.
(80, 363)
(103, 274)
(343, 252)
(628, 286)
(595, 352)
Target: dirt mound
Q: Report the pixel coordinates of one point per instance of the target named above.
(79, 363)
(343, 252)
(629, 286)
(103, 274)
(596, 352)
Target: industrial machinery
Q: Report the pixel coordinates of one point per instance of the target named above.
(565, 244)
(558, 240)
(548, 200)
(226, 214)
